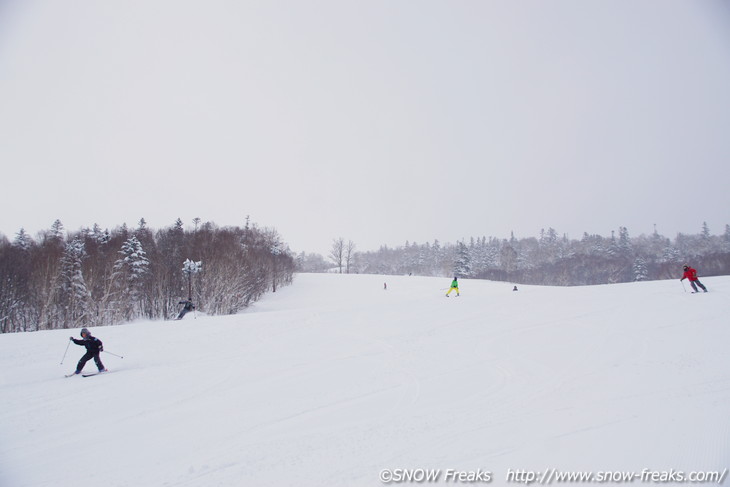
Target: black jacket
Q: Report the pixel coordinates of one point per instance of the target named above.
(91, 343)
(189, 306)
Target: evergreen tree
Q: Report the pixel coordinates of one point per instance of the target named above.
(131, 271)
(23, 240)
(640, 270)
(508, 258)
(74, 294)
(57, 230)
(624, 242)
(98, 235)
(462, 266)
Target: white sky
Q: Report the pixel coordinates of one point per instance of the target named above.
(379, 121)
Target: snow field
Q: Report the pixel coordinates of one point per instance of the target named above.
(332, 379)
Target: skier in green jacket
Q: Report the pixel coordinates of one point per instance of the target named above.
(454, 287)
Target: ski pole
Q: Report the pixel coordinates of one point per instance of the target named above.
(112, 354)
(64, 353)
(685, 289)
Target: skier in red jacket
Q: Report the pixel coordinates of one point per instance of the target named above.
(691, 274)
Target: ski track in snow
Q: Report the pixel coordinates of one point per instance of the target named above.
(332, 379)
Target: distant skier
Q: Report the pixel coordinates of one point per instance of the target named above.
(187, 307)
(93, 348)
(691, 274)
(385, 286)
(514, 288)
(454, 287)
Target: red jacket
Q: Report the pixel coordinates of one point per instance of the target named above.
(690, 274)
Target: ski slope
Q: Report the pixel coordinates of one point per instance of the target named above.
(333, 379)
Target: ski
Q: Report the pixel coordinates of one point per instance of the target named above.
(70, 375)
(94, 373)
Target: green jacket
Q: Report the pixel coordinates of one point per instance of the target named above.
(455, 283)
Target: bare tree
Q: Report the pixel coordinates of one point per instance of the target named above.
(337, 253)
(349, 255)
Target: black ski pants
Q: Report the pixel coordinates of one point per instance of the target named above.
(88, 356)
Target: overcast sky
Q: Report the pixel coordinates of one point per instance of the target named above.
(380, 121)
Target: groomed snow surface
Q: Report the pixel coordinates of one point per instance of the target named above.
(333, 379)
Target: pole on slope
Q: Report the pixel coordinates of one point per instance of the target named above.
(112, 354)
(64, 353)
(685, 289)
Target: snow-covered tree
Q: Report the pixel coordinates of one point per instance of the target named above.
(22, 240)
(640, 270)
(57, 230)
(462, 265)
(508, 258)
(131, 270)
(705, 231)
(311, 263)
(74, 294)
(98, 235)
(624, 242)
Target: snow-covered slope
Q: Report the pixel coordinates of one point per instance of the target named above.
(333, 379)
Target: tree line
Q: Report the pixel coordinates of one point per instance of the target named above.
(96, 277)
(549, 259)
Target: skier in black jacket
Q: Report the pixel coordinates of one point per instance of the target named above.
(93, 348)
(188, 306)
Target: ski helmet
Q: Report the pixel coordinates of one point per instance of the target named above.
(85, 331)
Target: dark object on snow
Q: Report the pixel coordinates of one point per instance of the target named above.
(188, 306)
(93, 348)
(514, 288)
